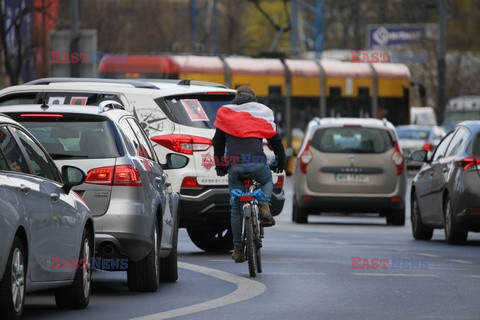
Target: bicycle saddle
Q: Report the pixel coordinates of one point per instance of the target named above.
(246, 176)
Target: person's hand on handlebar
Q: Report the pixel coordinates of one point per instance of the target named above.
(221, 171)
(277, 168)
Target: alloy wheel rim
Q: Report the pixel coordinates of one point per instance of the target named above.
(86, 269)
(18, 279)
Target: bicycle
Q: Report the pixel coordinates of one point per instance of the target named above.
(252, 229)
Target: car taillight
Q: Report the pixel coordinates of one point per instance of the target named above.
(305, 158)
(114, 175)
(466, 163)
(183, 143)
(280, 182)
(398, 158)
(191, 183)
(427, 146)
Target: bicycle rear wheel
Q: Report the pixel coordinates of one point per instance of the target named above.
(251, 247)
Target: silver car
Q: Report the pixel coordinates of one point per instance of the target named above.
(134, 207)
(46, 229)
(445, 192)
(350, 165)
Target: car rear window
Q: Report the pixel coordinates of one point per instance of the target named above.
(75, 139)
(351, 140)
(414, 134)
(197, 111)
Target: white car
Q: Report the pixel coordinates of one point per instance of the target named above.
(178, 116)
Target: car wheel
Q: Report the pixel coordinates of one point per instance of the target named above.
(397, 217)
(169, 264)
(451, 235)
(12, 286)
(77, 295)
(299, 215)
(212, 238)
(419, 230)
(144, 275)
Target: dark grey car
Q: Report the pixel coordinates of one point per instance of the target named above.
(134, 208)
(445, 192)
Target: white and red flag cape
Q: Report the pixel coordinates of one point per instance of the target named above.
(248, 120)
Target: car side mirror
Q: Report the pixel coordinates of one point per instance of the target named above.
(419, 156)
(175, 161)
(72, 176)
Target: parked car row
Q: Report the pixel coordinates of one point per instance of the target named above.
(359, 165)
(137, 163)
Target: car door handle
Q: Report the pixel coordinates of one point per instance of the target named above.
(54, 196)
(24, 188)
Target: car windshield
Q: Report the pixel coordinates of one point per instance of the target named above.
(82, 139)
(414, 134)
(197, 111)
(351, 140)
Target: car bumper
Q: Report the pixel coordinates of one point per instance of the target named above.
(468, 221)
(123, 235)
(212, 206)
(382, 205)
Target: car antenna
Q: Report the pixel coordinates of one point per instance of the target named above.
(44, 105)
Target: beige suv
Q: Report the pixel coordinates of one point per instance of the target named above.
(350, 165)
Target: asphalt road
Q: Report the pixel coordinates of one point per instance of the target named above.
(313, 271)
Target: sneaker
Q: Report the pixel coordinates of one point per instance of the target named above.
(266, 215)
(238, 255)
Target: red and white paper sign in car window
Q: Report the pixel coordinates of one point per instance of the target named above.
(82, 101)
(56, 100)
(194, 109)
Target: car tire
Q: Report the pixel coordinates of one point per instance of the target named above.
(452, 236)
(12, 286)
(212, 238)
(77, 295)
(419, 230)
(299, 215)
(144, 275)
(169, 264)
(397, 217)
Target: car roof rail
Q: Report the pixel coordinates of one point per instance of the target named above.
(188, 82)
(109, 105)
(133, 82)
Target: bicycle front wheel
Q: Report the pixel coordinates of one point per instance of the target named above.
(251, 247)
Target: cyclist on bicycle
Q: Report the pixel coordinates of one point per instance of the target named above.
(241, 128)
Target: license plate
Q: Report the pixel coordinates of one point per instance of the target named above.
(351, 177)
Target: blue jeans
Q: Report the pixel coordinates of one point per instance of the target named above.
(263, 175)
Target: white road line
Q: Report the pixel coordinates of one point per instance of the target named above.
(246, 289)
(395, 275)
(429, 255)
(461, 261)
(472, 276)
(297, 273)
